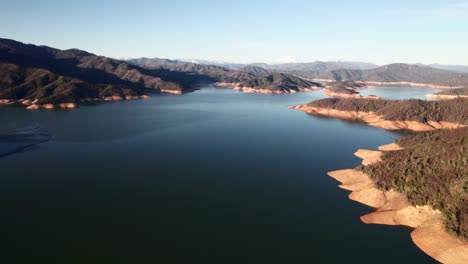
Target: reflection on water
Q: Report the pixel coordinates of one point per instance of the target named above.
(22, 139)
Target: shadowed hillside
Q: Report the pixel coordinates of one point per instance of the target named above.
(48, 75)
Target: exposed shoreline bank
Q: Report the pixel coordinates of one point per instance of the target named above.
(355, 96)
(32, 104)
(240, 88)
(375, 120)
(445, 96)
(392, 208)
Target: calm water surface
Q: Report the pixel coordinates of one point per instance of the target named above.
(213, 176)
(400, 92)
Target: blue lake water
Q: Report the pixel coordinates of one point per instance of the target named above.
(214, 176)
(399, 92)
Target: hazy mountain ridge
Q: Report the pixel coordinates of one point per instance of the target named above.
(457, 68)
(301, 69)
(204, 72)
(400, 72)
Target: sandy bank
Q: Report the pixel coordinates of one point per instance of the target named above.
(5, 102)
(52, 106)
(392, 208)
(171, 91)
(343, 95)
(373, 119)
(239, 87)
(445, 96)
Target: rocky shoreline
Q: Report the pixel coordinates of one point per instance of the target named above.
(355, 96)
(392, 208)
(375, 120)
(445, 96)
(240, 88)
(32, 104)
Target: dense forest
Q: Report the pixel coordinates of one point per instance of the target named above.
(400, 72)
(431, 169)
(280, 81)
(455, 110)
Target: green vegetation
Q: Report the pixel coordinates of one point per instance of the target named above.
(460, 91)
(28, 83)
(65, 76)
(431, 169)
(344, 87)
(280, 81)
(455, 110)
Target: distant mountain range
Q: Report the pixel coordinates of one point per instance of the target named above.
(305, 70)
(251, 76)
(457, 68)
(436, 75)
(401, 73)
(203, 72)
(38, 75)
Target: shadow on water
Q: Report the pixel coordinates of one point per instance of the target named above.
(22, 139)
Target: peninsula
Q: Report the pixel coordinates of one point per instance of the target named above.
(419, 181)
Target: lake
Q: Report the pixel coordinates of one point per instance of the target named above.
(399, 92)
(213, 176)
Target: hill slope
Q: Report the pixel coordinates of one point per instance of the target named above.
(42, 86)
(199, 72)
(400, 72)
(280, 83)
(39, 72)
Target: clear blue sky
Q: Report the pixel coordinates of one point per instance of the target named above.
(376, 31)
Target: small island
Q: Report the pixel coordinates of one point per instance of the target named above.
(273, 83)
(346, 89)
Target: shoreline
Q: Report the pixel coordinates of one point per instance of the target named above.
(31, 104)
(355, 96)
(375, 120)
(445, 96)
(392, 208)
(238, 87)
(412, 84)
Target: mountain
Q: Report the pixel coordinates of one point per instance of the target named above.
(254, 70)
(37, 76)
(207, 73)
(304, 70)
(313, 69)
(223, 64)
(45, 87)
(400, 72)
(47, 75)
(280, 83)
(457, 68)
